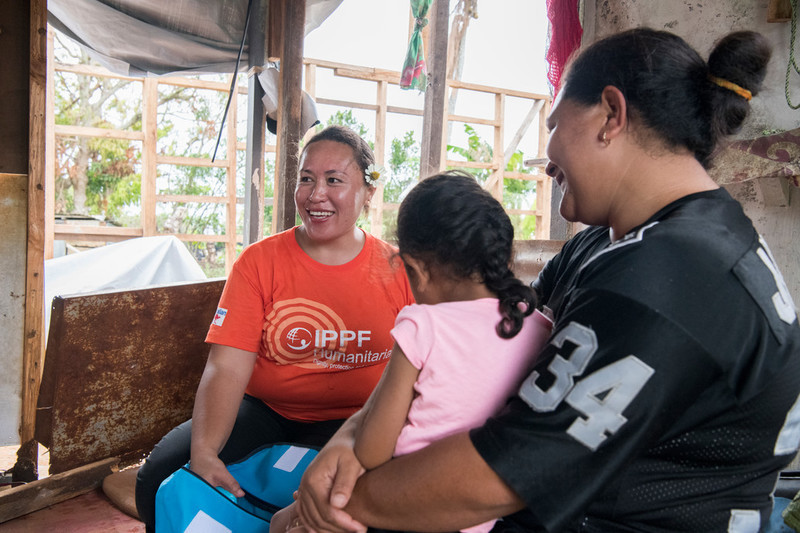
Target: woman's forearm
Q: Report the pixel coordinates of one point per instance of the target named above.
(219, 395)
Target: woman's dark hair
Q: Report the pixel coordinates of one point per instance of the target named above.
(361, 151)
(452, 224)
(667, 84)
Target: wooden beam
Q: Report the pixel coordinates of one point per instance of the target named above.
(149, 149)
(256, 126)
(50, 152)
(495, 90)
(433, 118)
(523, 128)
(230, 183)
(376, 205)
(19, 501)
(65, 130)
(33, 354)
(290, 100)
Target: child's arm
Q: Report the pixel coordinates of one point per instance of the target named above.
(385, 412)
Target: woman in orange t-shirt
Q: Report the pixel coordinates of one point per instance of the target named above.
(301, 335)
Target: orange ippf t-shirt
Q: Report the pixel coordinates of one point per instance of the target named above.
(321, 332)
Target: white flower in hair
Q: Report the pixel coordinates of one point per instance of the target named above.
(375, 174)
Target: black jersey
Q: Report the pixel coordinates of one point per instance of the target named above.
(666, 398)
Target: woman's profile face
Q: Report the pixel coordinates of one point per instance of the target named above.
(573, 150)
(330, 192)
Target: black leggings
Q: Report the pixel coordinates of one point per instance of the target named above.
(256, 425)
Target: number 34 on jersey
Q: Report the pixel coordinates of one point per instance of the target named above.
(600, 397)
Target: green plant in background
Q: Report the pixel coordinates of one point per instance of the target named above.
(517, 194)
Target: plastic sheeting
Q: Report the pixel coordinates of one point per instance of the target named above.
(140, 37)
(131, 264)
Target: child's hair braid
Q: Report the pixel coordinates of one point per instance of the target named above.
(450, 222)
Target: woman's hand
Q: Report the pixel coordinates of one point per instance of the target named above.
(328, 483)
(212, 469)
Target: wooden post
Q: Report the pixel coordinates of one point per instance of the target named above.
(290, 100)
(434, 113)
(26, 467)
(376, 206)
(230, 182)
(149, 147)
(50, 153)
(498, 161)
(256, 128)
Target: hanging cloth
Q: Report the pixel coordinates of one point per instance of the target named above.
(414, 74)
(565, 37)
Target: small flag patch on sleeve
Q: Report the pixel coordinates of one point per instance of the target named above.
(219, 316)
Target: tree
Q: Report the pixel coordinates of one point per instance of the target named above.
(517, 194)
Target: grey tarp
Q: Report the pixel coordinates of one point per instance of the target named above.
(158, 37)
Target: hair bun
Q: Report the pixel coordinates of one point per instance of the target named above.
(741, 58)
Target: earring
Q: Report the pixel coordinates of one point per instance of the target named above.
(605, 139)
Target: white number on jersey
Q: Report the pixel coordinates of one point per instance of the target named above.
(601, 396)
(782, 300)
(789, 436)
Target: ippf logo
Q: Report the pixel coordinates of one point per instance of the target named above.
(296, 328)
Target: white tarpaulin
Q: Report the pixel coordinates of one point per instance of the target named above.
(131, 264)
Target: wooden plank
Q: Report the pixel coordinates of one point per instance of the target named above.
(497, 145)
(50, 152)
(523, 176)
(195, 161)
(230, 183)
(92, 70)
(65, 130)
(404, 110)
(289, 113)
(369, 74)
(376, 205)
(274, 37)
(522, 130)
(149, 160)
(469, 164)
(32, 356)
(346, 103)
(66, 231)
(779, 11)
(24, 499)
(433, 118)
(458, 84)
(256, 122)
(193, 198)
(473, 120)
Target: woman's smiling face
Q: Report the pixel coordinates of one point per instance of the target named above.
(331, 191)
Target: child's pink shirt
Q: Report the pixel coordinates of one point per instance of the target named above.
(467, 371)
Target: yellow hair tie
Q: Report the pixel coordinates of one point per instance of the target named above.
(741, 91)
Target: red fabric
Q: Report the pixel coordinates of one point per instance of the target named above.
(565, 37)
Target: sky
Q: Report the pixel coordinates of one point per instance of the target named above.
(505, 47)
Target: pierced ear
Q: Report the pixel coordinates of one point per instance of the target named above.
(616, 110)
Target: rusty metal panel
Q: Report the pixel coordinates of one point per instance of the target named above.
(121, 369)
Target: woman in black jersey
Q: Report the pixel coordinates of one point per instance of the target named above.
(667, 397)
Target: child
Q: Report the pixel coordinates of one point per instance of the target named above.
(473, 335)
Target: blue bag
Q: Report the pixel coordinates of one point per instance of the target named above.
(186, 503)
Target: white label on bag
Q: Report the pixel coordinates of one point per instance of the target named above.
(202, 523)
(290, 458)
